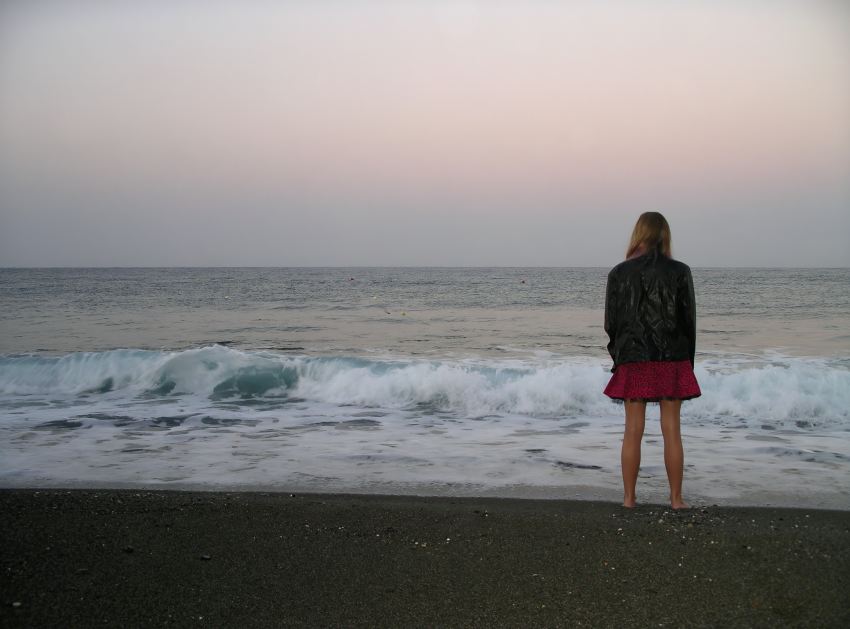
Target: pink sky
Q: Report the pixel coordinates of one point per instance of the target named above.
(537, 110)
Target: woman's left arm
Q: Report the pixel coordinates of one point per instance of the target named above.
(610, 313)
(688, 312)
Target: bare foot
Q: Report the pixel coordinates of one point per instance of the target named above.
(679, 504)
(629, 504)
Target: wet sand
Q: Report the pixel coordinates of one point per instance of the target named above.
(148, 558)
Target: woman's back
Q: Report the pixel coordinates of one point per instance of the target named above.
(650, 310)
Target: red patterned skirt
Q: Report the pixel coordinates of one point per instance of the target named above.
(652, 381)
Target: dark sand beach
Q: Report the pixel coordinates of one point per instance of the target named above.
(148, 558)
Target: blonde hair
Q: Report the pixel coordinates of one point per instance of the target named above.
(651, 232)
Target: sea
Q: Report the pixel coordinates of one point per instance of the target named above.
(426, 381)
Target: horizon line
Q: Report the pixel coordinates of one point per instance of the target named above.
(389, 266)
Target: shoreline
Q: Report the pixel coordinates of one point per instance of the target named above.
(652, 490)
(86, 557)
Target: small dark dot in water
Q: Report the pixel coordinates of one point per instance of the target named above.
(768, 427)
(536, 450)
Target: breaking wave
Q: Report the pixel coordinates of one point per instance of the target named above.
(797, 390)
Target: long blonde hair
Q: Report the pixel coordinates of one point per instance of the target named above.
(651, 232)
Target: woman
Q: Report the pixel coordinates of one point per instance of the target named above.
(650, 318)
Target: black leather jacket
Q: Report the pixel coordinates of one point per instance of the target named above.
(650, 310)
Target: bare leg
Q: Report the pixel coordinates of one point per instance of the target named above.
(674, 456)
(630, 453)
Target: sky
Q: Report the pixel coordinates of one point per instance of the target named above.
(422, 133)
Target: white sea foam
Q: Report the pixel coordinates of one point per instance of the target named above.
(773, 390)
(804, 391)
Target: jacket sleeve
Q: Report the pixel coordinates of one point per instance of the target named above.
(610, 313)
(688, 313)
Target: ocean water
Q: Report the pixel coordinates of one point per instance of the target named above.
(435, 381)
